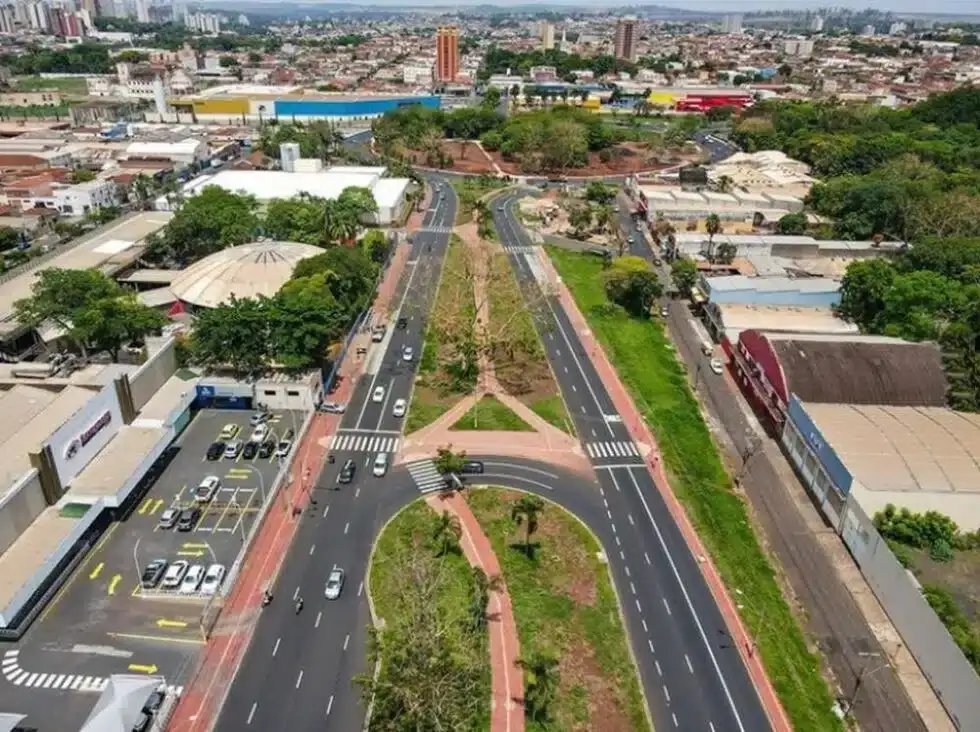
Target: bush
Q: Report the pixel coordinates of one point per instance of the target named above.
(917, 530)
(941, 551)
(605, 155)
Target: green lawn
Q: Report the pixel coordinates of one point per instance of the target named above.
(66, 85)
(658, 385)
(412, 588)
(491, 414)
(565, 606)
(469, 191)
(552, 409)
(34, 112)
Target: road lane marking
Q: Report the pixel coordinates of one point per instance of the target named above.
(251, 712)
(299, 679)
(613, 525)
(627, 569)
(689, 666)
(296, 594)
(346, 527)
(674, 716)
(650, 643)
(639, 608)
(632, 588)
(325, 510)
(666, 693)
(346, 641)
(88, 559)
(316, 624)
(330, 705)
(647, 557)
(312, 549)
(275, 648)
(360, 589)
(95, 572)
(630, 517)
(666, 606)
(644, 621)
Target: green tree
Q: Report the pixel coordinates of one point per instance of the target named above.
(712, 225)
(526, 512)
(375, 245)
(480, 596)
(685, 274)
(580, 218)
(605, 215)
(349, 275)
(234, 335)
(792, 224)
(600, 193)
(541, 681)
(446, 532)
(303, 319)
(632, 283)
(448, 461)
(298, 219)
(491, 97)
(726, 252)
(227, 62)
(862, 293)
(81, 175)
(111, 322)
(918, 305)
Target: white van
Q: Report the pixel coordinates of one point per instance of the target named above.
(380, 465)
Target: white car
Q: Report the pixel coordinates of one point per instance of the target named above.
(380, 465)
(335, 584)
(207, 488)
(716, 365)
(192, 580)
(378, 395)
(213, 579)
(233, 449)
(408, 354)
(400, 407)
(259, 418)
(175, 574)
(284, 447)
(259, 433)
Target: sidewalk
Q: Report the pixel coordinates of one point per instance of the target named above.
(507, 677)
(641, 433)
(204, 693)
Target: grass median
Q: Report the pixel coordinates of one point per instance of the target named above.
(565, 608)
(491, 414)
(647, 365)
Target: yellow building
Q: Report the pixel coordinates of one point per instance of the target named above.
(662, 98)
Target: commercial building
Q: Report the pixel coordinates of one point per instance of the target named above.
(673, 202)
(766, 169)
(546, 31)
(242, 103)
(626, 37)
(447, 53)
(731, 24)
(799, 47)
(265, 185)
(695, 99)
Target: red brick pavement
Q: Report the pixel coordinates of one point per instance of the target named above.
(506, 676)
(201, 701)
(641, 433)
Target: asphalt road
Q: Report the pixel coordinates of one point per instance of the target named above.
(692, 677)
(717, 148)
(298, 670)
(832, 615)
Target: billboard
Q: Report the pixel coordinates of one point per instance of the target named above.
(77, 441)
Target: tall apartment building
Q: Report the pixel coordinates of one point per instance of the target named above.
(546, 31)
(731, 24)
(626, 37)
(447, 53)
(802, 47)
(816, 24)
(142, 11)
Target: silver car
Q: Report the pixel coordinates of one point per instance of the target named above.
(335, 584)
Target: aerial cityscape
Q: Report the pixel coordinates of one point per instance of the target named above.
(558, 368)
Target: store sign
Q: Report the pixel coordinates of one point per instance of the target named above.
(73, 447)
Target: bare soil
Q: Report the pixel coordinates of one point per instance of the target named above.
(579, 669)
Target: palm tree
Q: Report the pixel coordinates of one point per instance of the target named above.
(604, 216)
(446, 534)
(142, 190)
(725, 184)
(712, 225)
(541, 679)
(526, 511)
(482, 587)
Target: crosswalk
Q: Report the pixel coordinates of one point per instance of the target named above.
(516, 249)
(61, 682)
(613, 449)
(436, 230)
(427, 478)
(348, 442)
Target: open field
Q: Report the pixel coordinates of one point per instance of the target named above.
(648, 367)
(66, 85)
(565, 606)
(491, 414)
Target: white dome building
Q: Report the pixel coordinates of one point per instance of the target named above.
(245, 271)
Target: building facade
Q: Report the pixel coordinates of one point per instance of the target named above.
(626, 37)
(447, 53)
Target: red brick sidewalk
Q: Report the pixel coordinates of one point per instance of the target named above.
(641, 433)
(506, 676)
(201, 701)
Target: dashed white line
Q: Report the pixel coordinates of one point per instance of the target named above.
(644, 621)
(325, 510)
(613, 527)
(330, 705)
(621, 555)
(674, 716)
(357, 493)
(666, 693)
(360, 589)
(689, 666)
(346, 641)
(275, 648)
(647, 557)
(573, 388)
(667, 606)
(659, 671)
(627, 569)
(632, 588)
(346, 527)
(312, 549)
(299, 679)
(252, 712)
(296, 594)
(583, 409)
(609, 515)
(605, 503)
(617, 540)
(650, 643)
(711, 726)
(639, 608)
(318, 616)
(566, 369)
(630, 517)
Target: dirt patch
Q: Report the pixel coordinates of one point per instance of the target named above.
(466, 157)
(958, 577)
(578, 669)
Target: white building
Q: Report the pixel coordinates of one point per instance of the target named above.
(81, 198)
(731, 24)
(417, 73)
(546, 31)
(265, 185)
(801, 47)
(187, 151)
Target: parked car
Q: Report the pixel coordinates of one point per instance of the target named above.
(380, 466)
(229, 431)
(259, 433)
(333, 407)
(188, 519)
(290, 434)
(207, 488)
(213, 579)
(215, 450)
(233, 449)
(192, 580)
(716, 365)
(335, 584)
(401, 323)
(168, 519)
(378, 395)
(153, 573)
(400, 407)
(260, 417)
(347, 472)
(284, 447)
(266, 449)
(143, 722)
(155, 701)
(175, 574)
(251, 450)
(378, 333)
(471, 467)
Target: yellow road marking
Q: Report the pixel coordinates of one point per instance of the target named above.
(64, 588)
(164, 623)
(142, 668)
(136, 591)
(157, 505)
(193, 545)
(116, 579)
(195, 553)
(145, 506)
(94, 574)
(158, 638)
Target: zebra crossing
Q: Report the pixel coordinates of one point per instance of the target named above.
(613, 449)
(61, 682)
(363, 443)
(517, 249)
(427, 478)
(436, 230)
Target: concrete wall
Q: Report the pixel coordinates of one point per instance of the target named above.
(23, 503)
(153, 374)
(151, 457)
(290, 395)
(77, 441)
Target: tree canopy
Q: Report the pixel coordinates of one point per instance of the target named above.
(633, 284)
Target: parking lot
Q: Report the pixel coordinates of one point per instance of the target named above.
(104, 602)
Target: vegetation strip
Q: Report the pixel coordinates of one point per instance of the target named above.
(579, 674)
(489, 413)
(648, 367)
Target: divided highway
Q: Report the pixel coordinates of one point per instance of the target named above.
(693, 678)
